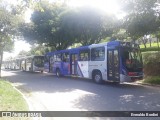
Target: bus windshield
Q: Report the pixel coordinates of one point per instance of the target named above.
(39, 61)
(131, 58)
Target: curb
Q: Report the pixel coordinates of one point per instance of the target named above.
(29, 105)
(147, 84)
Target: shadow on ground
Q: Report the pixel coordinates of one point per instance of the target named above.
(91, 96)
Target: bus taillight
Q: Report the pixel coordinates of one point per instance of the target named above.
(132, 73)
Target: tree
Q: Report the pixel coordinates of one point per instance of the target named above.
(87, 25)
(141, 17)
(23, 53)
(58, 26)
(45, 27)
(8, 28)
(40, 50)
(157, 35)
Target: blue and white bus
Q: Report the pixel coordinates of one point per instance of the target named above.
(32, 63)
(13, 64)
(28, 63)
(114, 61)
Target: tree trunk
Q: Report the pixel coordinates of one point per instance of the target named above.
(158, 43)
(1, 58)
(150, 41)
(144, 42)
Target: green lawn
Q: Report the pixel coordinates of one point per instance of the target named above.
(154, 47)
(10, 99)
(148, 45)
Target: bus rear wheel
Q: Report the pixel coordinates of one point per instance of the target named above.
(97, 77)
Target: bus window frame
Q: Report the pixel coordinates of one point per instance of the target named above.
(58, 57)
(66, 59)
(85, 58)
(99, 58)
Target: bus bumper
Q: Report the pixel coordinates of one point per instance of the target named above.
(124, 78)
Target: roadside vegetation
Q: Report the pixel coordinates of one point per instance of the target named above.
(152, 80)
(150, 47)
(10, 99)
(151, 62)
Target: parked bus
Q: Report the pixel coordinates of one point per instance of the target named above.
(32, 63)
(6, 64)
(16, 64)
(114, 61)
(29, 63)
(12, 64)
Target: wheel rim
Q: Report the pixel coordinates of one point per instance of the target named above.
(97, 78)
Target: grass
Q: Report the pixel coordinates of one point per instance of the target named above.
(10, 99)
(152, 80)
(154, 47)
(148, 45)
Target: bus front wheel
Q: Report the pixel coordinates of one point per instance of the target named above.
(97, 77)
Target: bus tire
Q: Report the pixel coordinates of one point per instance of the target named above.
(58, 73)
(97, 77)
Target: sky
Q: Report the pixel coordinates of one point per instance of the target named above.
(108, 6)
(19, 46)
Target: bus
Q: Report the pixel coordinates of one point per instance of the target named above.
(6, 64)
(16, 64)
(113, 61)
(32, 63)
(13, 64)
(28, 63)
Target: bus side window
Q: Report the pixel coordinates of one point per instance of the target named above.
(46, 58)
(84, 55)
(81, 56)
(52, 59)
(98, 54)
(58, 57)
(65, 57)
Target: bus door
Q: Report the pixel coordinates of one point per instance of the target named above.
(51, 62)
(113, 65)
(23, 65)
(73, 64)
(65, 63)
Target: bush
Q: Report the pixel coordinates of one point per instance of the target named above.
(151, 62)
(152, 79)
(150, 49)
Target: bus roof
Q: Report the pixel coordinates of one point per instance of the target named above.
(110, 44)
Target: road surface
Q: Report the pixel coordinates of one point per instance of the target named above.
(46, 92)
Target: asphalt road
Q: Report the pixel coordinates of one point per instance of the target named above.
(46, 92)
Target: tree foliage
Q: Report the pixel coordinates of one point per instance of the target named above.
(142, 18)
(59, 26)
(9, 22)
(88, 25)
(45, 27)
